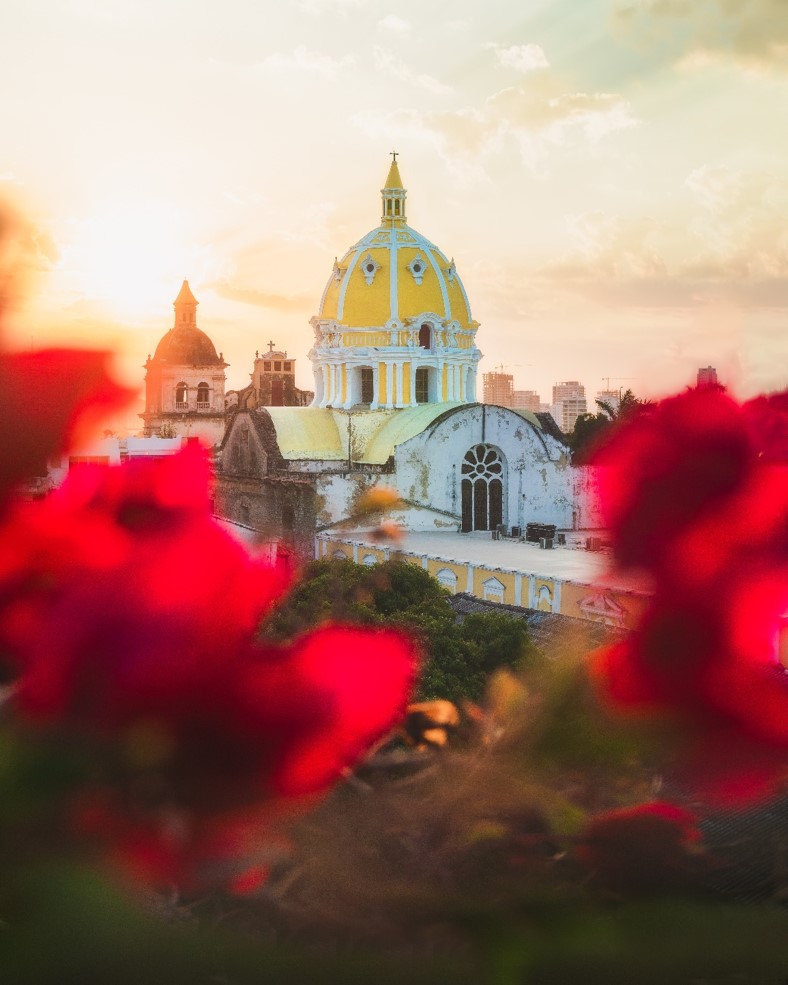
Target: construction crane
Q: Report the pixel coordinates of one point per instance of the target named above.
(607, 379)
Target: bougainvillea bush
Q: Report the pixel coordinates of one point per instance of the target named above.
(184, 799)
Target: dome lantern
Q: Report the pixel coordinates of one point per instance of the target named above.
(393, 195)
(185, 308)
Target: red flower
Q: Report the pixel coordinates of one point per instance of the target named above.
(53, 399)
(697, 492)
(665, 469)
(647, 848)
(130, 615)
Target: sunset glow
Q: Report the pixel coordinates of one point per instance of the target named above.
(609, 176)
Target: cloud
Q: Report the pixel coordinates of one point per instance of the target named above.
(302, 60)
(728, 245)
(521, 57)
(384, 61)
(394, 25)
(693, 33)
(261, 299)
(536, 116)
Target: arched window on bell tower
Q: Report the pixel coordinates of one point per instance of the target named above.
(425, 337)
(181, 396)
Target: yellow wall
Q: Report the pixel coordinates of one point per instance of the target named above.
(405, 398)
(382, 396)
(445, 382)
(633, 605)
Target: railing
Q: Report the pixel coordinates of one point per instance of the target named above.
(181, 405)
(203, 405)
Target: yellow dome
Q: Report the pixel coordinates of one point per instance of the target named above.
(394, 328)
(394, 274)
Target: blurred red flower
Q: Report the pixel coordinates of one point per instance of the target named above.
(694, 459)
(696, 491)
(53, 399)
(130, 615)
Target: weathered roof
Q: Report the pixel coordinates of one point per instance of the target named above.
(556, 635)
(324, 434)
(187, 346)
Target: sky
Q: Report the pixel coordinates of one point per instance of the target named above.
(609, 175)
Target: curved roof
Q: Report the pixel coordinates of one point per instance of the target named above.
(315, 433)
(187, 346)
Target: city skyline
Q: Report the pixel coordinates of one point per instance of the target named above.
(609, 178)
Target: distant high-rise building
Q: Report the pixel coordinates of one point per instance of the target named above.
(498, 389)
(610, 397)
(526, 400)
(707, 376)
(569, 402)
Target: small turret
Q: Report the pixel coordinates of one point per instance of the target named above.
(185, 308)
(394, 195)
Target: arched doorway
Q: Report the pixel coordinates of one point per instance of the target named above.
(482, 488)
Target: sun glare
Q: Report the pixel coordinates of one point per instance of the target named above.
(127, 258)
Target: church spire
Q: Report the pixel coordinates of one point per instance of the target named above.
(394, 194)
(185, 308)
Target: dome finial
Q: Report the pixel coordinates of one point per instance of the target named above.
(394, 194)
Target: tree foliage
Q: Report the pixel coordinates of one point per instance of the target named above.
(590, 429)
(457, 657)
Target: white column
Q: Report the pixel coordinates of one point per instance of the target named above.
(456, 382)
(469, 585)
(324, 374)
(412, 394)
(518, 588)
(400, 402)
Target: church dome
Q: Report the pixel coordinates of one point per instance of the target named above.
(394, 328)
(185, 344)
(187, 347)
(394, 274)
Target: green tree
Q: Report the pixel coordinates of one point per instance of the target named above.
(590, 429)
(457, 657)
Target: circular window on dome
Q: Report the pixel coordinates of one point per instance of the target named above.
(417, 268)
(369, 267)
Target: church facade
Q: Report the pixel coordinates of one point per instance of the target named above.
(185, 380)
(395, 404)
